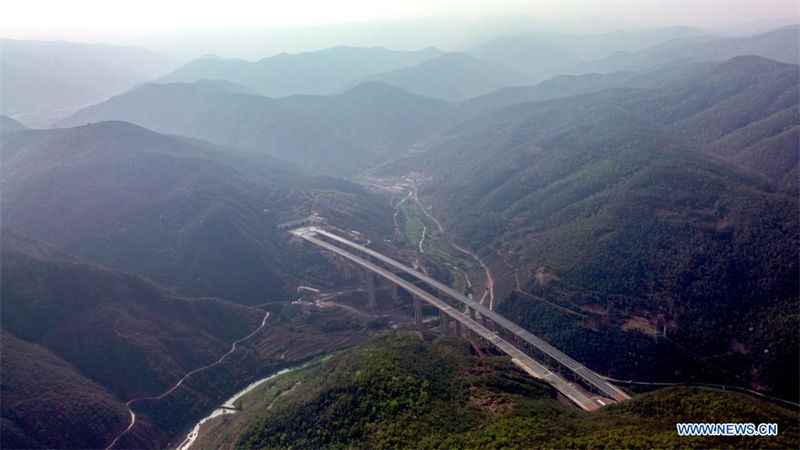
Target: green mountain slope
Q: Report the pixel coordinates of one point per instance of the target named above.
(138, 201)
(131, 336)
(628, 224)
(67, 322)
(226, 114)
(452, 77)
(81, 412)
(184, 213)
(571, 85)
(378, 115)
(399, 391)
(743, 110)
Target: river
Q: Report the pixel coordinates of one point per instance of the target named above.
(187, 443)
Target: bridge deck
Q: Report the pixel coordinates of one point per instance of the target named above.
(518, 356)
(587, 374)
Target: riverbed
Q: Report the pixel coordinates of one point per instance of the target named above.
(227, 407)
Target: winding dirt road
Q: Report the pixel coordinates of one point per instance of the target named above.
(188, 374)
(397, 231)
(489, 278)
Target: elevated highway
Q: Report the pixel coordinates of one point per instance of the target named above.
(587, 374)
(527, 363)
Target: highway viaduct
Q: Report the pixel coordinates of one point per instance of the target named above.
(477, 319)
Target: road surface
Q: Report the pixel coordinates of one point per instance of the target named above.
(188, 374)
(590, 376)
(489, 278)
(518, 356)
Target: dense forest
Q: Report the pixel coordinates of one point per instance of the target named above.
(401, 390)
(628, 194)
(612, 200)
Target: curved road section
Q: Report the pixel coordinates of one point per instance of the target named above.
(587, 374)
(188, 374)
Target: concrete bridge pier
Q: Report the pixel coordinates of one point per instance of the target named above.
(458, 328)
(418, 312)
(487, 323)
(506, 340)
(371, 300)
(348, 274)
(395, 295)
(443, 323)
(469, 333)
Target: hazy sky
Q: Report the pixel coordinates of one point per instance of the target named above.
(99, 18)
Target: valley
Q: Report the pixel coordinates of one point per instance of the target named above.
(490, 403)
(533, 238)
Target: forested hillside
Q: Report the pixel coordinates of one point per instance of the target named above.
(452, 77)
(572, 85)
(81, 322)
(619, 183)
(626, 222)
(401, 391)
(227, 114)
(744, 110)
(81, 412)
(146, 203)
(119, 329)
(379, 116)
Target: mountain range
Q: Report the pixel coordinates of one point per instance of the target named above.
(629, 197)
(224, 115)
(320, 72)
(379, 116)
(333, 135)
(42, 77)
(782, 45)
(744, 110)
(408, 397)
(100, 335)
(102, 190)
(199, 218)
(538, 59)
(453, 77)
(572, 85)
(607, 204)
